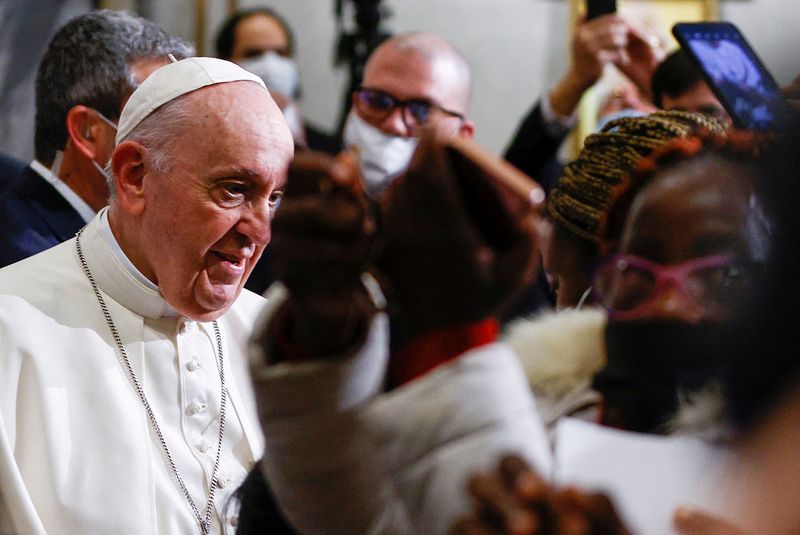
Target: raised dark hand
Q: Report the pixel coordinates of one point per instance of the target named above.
(322, 238)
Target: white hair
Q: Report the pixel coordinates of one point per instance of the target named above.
(157, 133)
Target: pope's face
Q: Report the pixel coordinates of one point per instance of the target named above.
(207, 215)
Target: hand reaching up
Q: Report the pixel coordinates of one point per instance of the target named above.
(322, 239)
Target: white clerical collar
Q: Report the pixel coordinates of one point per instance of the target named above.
(116, 275)
(80, 206)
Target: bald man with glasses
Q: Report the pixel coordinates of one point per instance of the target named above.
(412, 80)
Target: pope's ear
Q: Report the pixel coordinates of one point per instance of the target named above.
(129, 172)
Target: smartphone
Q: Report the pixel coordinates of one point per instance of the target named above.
(735, 74)
(598, 8)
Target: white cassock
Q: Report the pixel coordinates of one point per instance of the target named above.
(77, 452)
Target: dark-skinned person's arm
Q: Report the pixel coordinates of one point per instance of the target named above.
(322, 240)
(320, 354)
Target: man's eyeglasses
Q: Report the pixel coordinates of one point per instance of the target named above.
(627, 285)
(375, 105)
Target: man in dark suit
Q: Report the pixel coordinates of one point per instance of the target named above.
(90, 67)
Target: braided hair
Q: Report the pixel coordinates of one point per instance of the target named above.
(579, 203)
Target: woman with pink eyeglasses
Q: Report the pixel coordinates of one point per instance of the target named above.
(690, 237)
(685, 240)
(679, 246)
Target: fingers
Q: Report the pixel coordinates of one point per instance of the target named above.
(500, 506)
(691, 521)
(518, 476)
(598, 510)
(312, 173)
(596, 43)
(614, 39)
(515, 500)
(323, 233)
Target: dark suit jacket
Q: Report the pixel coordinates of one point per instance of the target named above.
(33, 217)
(10, 169)
(533, 149)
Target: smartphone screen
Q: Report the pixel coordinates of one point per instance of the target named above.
(735, 74)
(598, 8)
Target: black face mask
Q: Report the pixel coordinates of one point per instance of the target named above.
(650, 364)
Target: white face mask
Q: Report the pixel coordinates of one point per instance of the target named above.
(279, 73)
(103, 172)
(381, 156)
(621, 114)
(292, 118)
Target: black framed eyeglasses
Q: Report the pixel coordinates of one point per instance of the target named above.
(375, 105)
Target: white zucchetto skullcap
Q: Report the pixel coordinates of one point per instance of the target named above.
(173, 80)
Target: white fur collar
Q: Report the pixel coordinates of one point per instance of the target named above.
(559, 350)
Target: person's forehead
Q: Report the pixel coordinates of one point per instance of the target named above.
(683, 204)
(238, 93)
(142, 68)
(242, 115)
(689, 180)
(407, 73)
(260, 31)
(698, 94)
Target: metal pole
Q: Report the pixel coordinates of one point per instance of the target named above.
(200, 26)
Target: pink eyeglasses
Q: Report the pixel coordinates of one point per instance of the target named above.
(627, 285)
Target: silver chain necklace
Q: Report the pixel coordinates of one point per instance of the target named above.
(204, 521)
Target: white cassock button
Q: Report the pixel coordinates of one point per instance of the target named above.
(193, 365)
(196, 407)
(185, 326)
(224, 481)
(204, 446)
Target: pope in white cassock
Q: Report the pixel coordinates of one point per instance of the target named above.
(125, 401)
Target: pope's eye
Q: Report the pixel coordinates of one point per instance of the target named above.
(231, 193)
(235, 189)
(275, 200)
